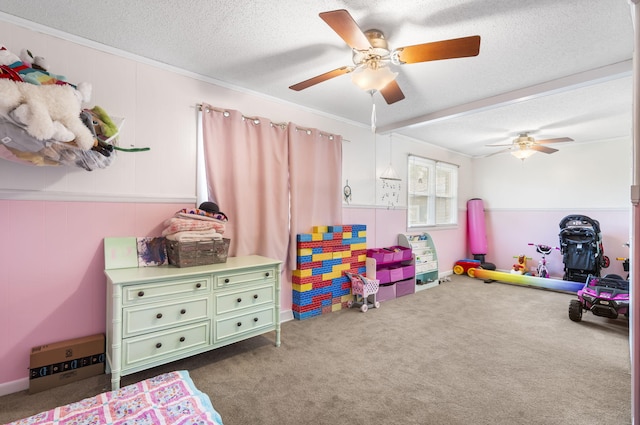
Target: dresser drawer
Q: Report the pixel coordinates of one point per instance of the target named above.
(152, 347)
(241, 324)
(245, 277)
(239, 299)
(152, 317)
(134, 294)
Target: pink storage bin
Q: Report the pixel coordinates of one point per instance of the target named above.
(400, 253)
(383, 276)
(405, 287)
(408, 271)
(387, 292)
(395, 274)
(381, 255)
(402, 272)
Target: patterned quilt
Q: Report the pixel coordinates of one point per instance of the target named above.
(170, 399)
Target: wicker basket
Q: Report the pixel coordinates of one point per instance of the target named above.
(200, 253)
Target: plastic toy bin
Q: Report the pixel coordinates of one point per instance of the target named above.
(383, 275)
(381, 255)
(401, 273)
(405, 287)
(400, 253)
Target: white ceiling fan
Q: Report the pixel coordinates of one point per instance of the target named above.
(372, 56)
(524, 146)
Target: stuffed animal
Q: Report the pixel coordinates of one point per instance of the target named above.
(11, 61)
(47, 104)
(521, 266)
(7, 57)
(37, 62)
(22, 114)
(34, 70)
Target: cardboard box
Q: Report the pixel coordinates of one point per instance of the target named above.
(53, 365)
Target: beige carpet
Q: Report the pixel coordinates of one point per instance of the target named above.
(465, 352)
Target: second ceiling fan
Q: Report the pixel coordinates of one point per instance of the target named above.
(524, 145)
(372, 55)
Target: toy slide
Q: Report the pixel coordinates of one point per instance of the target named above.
(519, 279)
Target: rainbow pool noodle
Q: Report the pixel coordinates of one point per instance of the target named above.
(525, 280)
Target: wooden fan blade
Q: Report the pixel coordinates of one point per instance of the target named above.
(446, 49)
(346, 27)
(559, 139)
(543, 149)
(392, 93)
(322, 77)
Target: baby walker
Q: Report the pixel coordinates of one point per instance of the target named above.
(364, 290)
(541, 270)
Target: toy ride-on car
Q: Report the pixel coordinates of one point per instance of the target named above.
(466, 266)
(603, 296)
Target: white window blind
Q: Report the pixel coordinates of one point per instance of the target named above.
(432, 193)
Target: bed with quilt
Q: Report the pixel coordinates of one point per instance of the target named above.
(170, 398)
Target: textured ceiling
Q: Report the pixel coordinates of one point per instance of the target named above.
(553, 67)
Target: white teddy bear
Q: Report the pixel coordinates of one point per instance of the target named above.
(46, 104)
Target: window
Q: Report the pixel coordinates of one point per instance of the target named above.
(433, 193)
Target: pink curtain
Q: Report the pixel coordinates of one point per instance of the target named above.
(246, 161)
(315, 169)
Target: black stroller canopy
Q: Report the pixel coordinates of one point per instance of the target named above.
(580, 222)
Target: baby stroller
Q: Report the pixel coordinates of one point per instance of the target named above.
(581, 248)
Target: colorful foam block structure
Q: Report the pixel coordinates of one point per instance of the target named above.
(319, 283)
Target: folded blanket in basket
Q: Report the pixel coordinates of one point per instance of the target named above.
(201, 214)
(192, 236)
(177, 224)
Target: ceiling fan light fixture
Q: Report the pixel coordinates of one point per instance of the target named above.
(523, 153)
(369, 79)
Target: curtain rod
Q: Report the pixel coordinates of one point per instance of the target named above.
(225, 113)
(256, 120)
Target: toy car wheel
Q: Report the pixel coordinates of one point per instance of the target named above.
(364, 308)
(575, 310)
(349, 304)
(377, 304)
(471, 272)
(458, 269)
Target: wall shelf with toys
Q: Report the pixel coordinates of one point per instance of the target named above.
(43, 120)
(426, 258)
(395, 268)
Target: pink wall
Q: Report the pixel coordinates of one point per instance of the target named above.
(52, 284)
(384, 225)
(509, 232)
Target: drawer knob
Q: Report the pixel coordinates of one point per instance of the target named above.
(239, 323)
(183, 311)
(226, 281)
(255, 319)
(198, 285)
(239, 300)
(181, 339)
(158, 345)
(159, 316)
(141, 293)
(255, 297)
(267, 274)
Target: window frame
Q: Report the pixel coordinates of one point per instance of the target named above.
(436, 203)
